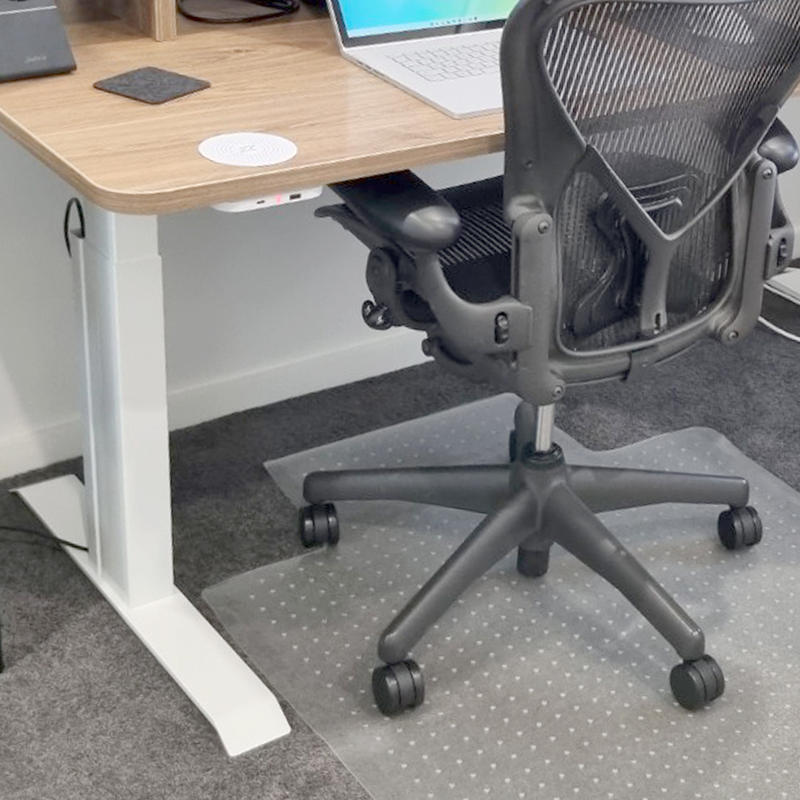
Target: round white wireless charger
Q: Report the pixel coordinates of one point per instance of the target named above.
(245, 149)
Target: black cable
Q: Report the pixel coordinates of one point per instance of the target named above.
(278, 8)
(52, 543)
(5, 541)
(76, 204)
(42, 534)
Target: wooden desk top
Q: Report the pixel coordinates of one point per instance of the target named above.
(284, 77)
(137, 158)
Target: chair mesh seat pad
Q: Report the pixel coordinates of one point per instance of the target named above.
(478, 265)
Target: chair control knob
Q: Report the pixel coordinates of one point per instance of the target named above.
(502, 328)
(377, 317)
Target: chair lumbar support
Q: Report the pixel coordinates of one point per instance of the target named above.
(531, 503)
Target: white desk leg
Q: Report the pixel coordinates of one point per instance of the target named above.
(123, 514)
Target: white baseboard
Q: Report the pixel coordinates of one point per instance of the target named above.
(389, 352)
(38, 447)
(33, 448)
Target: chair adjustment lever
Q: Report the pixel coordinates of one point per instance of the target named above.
(378, 317)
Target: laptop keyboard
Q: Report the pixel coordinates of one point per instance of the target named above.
(450, 63)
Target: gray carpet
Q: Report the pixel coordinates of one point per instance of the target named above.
(85, 711)
(535, 688)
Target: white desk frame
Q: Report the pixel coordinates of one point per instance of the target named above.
(122, 512)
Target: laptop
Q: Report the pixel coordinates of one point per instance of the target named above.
(446, 52)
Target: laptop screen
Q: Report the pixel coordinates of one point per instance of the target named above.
(368, 21)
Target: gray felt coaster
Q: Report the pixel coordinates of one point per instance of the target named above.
(151, 85)
(536, 689)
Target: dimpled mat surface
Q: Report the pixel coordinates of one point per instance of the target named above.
(551, 688)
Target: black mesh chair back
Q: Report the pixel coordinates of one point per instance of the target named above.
(632, 123)
(638, 213)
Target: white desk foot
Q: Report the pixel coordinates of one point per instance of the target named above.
(243, 711)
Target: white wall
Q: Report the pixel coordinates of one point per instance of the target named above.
(790, 183)
(259, 307)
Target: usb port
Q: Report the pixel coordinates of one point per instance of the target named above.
(295, 196)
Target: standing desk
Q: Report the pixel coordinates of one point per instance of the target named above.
(130, 162)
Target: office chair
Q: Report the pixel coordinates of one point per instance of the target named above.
(638, 214)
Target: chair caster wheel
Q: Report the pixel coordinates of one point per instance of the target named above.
(697, 683)
(397, 687)
(739, 528)
(318, 524)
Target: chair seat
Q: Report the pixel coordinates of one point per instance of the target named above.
(478, 265)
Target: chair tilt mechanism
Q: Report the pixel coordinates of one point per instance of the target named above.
(638, 214)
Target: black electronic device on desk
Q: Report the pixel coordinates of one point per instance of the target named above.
(33, 41)
(236, 11)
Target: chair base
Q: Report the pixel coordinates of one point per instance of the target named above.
(533, 502)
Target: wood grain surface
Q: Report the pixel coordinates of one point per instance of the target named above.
(286, 78)
(156, 18)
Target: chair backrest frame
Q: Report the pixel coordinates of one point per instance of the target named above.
(544, 150)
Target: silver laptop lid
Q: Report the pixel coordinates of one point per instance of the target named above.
(363, 22)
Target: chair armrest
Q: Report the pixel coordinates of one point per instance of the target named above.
(403, 208)
(780, 147)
